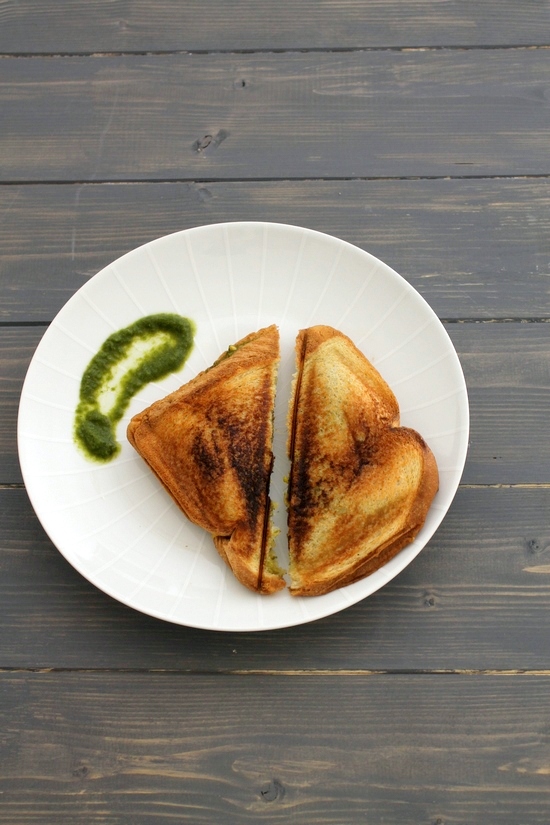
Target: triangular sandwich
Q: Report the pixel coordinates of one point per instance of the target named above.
(210, 444)
(360, 485)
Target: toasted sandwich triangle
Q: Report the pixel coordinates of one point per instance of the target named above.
(360, 485)
(210, 444)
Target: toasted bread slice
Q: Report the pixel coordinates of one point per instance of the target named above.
(210, 444)
(360, 485)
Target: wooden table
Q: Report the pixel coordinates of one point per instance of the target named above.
(420, 132)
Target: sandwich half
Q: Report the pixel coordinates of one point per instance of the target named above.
(360, 485)
(210, 444)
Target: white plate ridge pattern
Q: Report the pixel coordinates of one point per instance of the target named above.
(115, 523)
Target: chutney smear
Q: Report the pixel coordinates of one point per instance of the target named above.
(147, 350)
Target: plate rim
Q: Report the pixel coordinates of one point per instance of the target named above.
(458, 467)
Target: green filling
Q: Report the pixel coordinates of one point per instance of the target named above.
(163, 342)
(272, 564)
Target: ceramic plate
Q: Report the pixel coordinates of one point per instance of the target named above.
(114, 522)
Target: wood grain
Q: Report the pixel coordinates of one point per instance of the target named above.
(288, 115)
(507, 370)
(124, 748)
(476, 598)
(30, 26)
(463, 244)
(17, 346)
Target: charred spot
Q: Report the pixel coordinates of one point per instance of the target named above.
(247, 459)
(313, 473)
(247, 439)
(308, 495)
(365, 452)
(207, 457)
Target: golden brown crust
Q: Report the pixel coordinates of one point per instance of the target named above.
(360, 486)
(209, 443)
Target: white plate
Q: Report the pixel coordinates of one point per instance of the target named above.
(114, 522)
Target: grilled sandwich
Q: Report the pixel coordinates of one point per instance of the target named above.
(360, 485)
(210, 444)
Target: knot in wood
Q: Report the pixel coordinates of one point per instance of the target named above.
(203, 143)
(272, 790)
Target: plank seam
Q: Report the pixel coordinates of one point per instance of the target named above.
(364, 672)
(290, 180)
(285, 50)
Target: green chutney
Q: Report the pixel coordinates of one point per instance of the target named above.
(145, 351)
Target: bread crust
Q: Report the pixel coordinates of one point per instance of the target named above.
(360, 485)
(210, 445)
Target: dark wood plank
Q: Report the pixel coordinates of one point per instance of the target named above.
(507, 372)
(292, 115)
(462, 243)
(17, 346)
(31, 26)
(128, 748)
(477, 597)
(507, 369)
